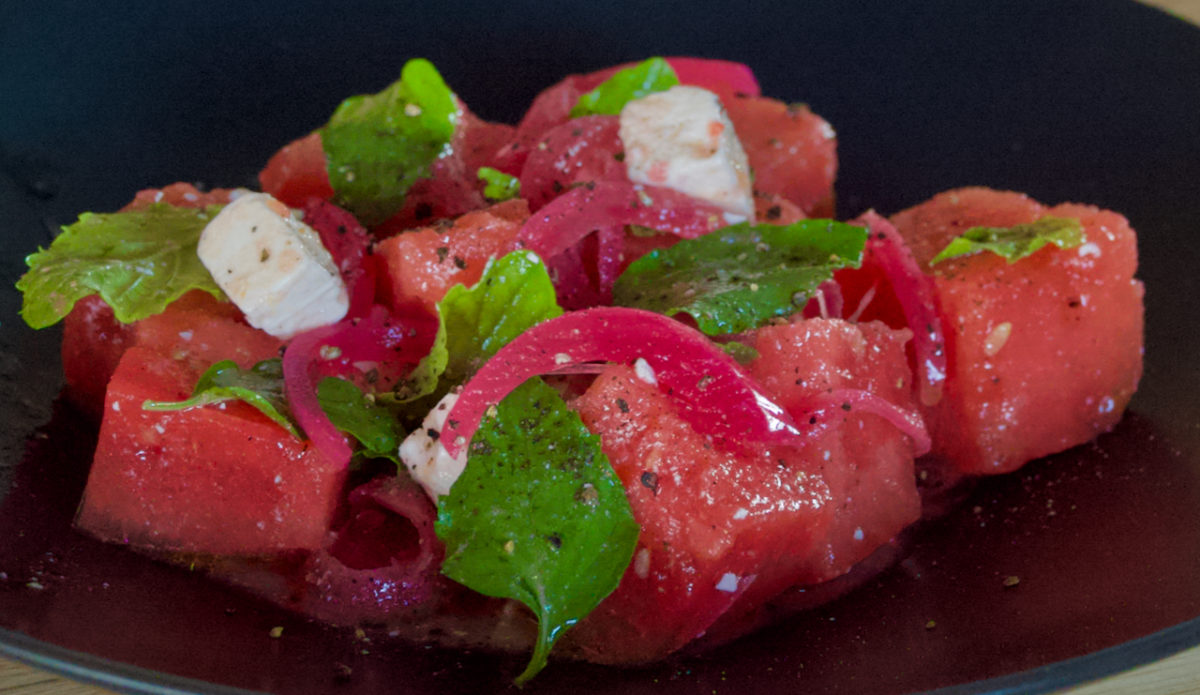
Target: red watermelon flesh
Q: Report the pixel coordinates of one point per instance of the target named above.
(711, 521)
(792, 151)
(723, 533)
(195, 329)
(419, 266)
(219, 479)
(1044, 353)
(869, 468)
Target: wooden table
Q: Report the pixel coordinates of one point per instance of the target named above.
(1177, 675)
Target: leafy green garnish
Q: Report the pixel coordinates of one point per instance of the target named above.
(351, 411)
(1016, 242)
(500, 186)
(741, 276)
(137, 261)
(611, 95)
(377, 146)
(741, 352)
(514, 293)
(538, 515)
(261, 386)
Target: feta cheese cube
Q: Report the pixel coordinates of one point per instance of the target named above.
(273, 266)
(682, 139)
(425, 457)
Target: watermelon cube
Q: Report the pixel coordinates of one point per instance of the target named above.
(221, 479)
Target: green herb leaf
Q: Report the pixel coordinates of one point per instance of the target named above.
(350, 410)
(514, 293)
(743, 353)
(611, 95)
(377, 146)
(741, 276)
(538, 515)
(1016, 242)
(261, 386)
(138, 262)
(500, 186)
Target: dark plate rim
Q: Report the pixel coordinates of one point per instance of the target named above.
(136, 680)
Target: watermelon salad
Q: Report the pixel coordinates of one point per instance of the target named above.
(605, 384)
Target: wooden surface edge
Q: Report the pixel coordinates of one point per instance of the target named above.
(1175, 675)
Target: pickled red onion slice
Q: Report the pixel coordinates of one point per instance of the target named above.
(823, 411)
(373, 351)
(715, 394)
(916, 295)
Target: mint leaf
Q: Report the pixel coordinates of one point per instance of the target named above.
(611, 95)
(538, 515)
(500, 186)
(741, 276)
(514, 293)
(353, 412)
(377, 146)
(1016, 242)
(138, 262)
(261, 386)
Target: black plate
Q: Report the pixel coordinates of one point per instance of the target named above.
(1090, 100)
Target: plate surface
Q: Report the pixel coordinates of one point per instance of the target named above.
(1088, 101)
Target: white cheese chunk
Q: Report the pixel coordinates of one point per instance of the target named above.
(425, 457)
(273, 267)
(682, 139)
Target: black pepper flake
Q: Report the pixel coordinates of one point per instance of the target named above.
(423, 211)
(341, 229)
(442, 252)
(812, 419)
(433, 434)
(460, 263)
(650, 481)
(619, 156)
(846, 407)
(254, 229)
(774, 212)
(556, 186)
(622, 405)
(555, 540)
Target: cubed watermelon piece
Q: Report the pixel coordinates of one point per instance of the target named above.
(1044, 353)
(218, 479)
(792, 151)
(196, 329)
(419, 266)
(722, 532)
(869, 467)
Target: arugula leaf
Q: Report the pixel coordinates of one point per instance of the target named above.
(137, 261)
(353, 412)
(500, 186)
(538, 515)
(514, 293)
(261, 386)
(377, 146)
(741, 276)
(611, 95)
(1016, 242)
